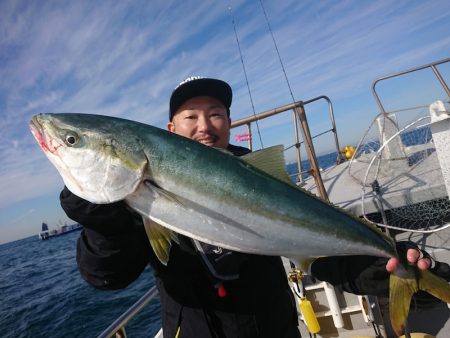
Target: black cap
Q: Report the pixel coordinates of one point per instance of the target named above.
(200, 86)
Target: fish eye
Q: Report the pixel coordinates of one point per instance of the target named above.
(71, 139)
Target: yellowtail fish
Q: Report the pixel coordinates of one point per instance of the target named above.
(245, 204)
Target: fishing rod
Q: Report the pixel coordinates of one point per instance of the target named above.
(245, 74)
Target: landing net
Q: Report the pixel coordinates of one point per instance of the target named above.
(401, 179)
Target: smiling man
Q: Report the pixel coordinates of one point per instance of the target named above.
(230, 302)
(203, 119)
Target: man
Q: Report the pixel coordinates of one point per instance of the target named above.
(207, 291)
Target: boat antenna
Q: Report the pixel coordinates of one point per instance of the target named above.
(245, 74)
(278, 52)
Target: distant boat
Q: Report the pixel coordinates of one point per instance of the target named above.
(60, 230)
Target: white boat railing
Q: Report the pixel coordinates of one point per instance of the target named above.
(117, 328)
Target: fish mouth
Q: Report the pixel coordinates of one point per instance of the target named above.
(38, 132)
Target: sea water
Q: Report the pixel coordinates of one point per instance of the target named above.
(43, 295)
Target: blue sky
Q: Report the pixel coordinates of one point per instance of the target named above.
(123, 58)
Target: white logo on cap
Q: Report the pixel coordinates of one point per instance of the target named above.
(189, 79)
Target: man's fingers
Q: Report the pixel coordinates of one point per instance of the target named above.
(392, 264)
(424, 263)
(413, 255)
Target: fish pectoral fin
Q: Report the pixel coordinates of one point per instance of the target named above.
(161, 192)
(160, 239)
(271, 161)
(402, 290)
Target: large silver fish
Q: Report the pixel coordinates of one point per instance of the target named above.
(245, 204)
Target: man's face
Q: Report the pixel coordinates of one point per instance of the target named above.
(203, 119)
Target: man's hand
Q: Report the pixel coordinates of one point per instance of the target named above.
(413, 257)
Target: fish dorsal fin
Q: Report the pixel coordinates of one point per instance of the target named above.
(160, 239)
(271, 161)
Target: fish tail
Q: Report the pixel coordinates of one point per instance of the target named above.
(403, 288)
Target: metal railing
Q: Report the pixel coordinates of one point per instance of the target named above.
(299, 118)
(117, 328)
(415, 69)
